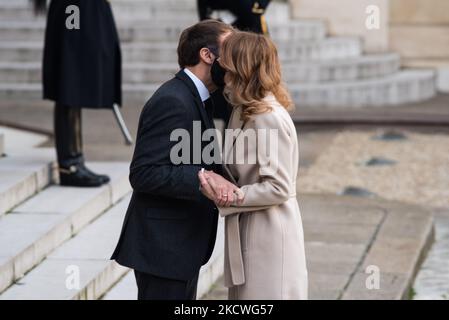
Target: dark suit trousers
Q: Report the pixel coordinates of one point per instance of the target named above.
(68, 138)
(151, 287)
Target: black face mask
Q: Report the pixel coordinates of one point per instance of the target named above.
(218, 73)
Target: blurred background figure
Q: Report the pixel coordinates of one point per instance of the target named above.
(249, 13)
(81, 69)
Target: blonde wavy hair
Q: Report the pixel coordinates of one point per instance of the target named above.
(252, 71)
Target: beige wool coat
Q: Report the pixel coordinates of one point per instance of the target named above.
(264, 241)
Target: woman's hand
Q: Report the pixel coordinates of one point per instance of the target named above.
(219, 190)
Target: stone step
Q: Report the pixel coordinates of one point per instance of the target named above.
(138, 10)
(402, 87)
(23, 174)
(399, 88)
(327, 48)
(363, 67)
(152, 11)
(344, 235)
(126, 289)
(353, 68)
(89, 252)
(2, 145)
(17, 141)
(291, 30)
(402, 242)
(172, 10)
(42, 223)
(432, 280)
(15, 11)
(161, 52)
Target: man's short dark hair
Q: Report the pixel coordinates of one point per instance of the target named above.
(204, 34)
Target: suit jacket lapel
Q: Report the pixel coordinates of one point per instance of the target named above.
(185, 78)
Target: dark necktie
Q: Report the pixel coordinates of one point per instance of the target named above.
(208, 104)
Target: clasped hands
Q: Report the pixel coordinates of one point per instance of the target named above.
(222, 192)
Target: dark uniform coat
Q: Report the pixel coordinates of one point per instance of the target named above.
(82, 67)
(249, 13)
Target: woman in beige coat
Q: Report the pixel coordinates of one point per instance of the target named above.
(264, 242)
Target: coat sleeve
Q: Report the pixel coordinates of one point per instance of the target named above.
(275, 167)
(152, 171)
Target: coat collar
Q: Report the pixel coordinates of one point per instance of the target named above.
(181, 75)
(270, 98)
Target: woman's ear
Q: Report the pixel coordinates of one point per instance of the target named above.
(207, 56)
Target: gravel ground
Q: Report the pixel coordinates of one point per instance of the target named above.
(419, 174)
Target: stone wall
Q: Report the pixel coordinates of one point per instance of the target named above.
(419, 32)
(417, 29)
(347, 18)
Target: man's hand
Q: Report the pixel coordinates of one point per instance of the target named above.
(219, 190)
(205, 187)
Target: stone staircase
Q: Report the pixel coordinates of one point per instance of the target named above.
(320, 70)
(47, 230)
(38, 218)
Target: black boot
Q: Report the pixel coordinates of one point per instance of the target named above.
(103, 177)
(69, 148)
(78, 176)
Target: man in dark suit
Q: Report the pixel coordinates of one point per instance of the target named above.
(170, 227)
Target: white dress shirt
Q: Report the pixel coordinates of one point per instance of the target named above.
(202, 90)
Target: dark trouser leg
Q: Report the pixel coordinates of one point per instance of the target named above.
(151, 287)
(69, 150)
(68, 139)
